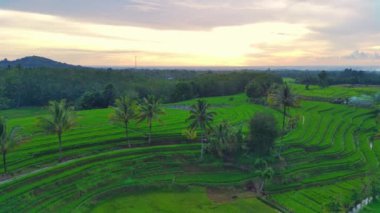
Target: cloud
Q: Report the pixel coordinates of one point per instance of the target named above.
(50, 35)
(195, 14)
(358, 55)
(234, 32)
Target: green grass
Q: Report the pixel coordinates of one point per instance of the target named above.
(335, 91)
(191, 201)
(328, 153)
(94, 133)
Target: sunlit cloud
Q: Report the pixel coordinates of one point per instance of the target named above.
(192, 32)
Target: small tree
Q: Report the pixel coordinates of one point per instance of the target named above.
(323, 79)
(7, 140)
(190, 134)
(4, 100)
(61, 119)
(335, 204)
(124, 111)
(286, 99)
(201, 118)
(91, 100)
(183, 91)
(264, 173)
(109, 95)
(262, 133)
(260, 86)
(150, 109)
(307, 80)
(378, 123)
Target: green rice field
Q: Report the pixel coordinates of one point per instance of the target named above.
(330, 153)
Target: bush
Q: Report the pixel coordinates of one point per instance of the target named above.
(183, 91)
(260, 86)
(4, 103)
(262, 133)
(377, 98)
(109, 95)
(91, 99)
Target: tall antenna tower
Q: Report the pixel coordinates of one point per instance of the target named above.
(135, 62)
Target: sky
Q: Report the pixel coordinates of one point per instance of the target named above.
(193, 32)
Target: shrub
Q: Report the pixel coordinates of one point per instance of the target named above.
(361, 101)
(262, 133)
(260, 86)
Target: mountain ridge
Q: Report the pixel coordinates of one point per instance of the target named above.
(35, 62)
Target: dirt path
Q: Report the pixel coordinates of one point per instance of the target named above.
(222, 195)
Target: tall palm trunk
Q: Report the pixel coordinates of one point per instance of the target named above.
(283, 129)
(283, 119)
(5, 161)
(150, 132)
(60, 146)
(18, 100)
(126, 134)
(202, 145)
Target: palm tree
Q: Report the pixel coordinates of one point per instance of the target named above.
(264, 173)
(124, 111)
(61, 118)
(226, 140)
(7, 140)
(218, 139)
(286, 99)
(150, 109)
(201, 118)
(190, 134)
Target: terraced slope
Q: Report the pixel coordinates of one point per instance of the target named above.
(94, 133)
(335, 91)
(330, 148)
(328, 153)
(98, 160)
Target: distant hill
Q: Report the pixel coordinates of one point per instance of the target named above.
(35, 62)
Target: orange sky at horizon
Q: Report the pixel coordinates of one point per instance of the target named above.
(267, 42)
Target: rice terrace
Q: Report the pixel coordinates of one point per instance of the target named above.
(175, 108)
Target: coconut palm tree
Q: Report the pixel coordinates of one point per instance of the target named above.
(61, 119)
(201, 118)
(225, 140)
(219, 138)
(7, 140)
(150, 109)
(124, 111)
(264, 173)
(286, 99)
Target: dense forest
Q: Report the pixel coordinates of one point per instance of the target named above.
(92, 88)
(97, 88)
(347, 76)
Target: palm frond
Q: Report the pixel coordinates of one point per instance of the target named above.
(61, 117)
(150, 109)
(125, 110)
(200, 116)
(8, 139)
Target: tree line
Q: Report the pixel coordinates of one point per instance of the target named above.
(95, 88)
(325, 78)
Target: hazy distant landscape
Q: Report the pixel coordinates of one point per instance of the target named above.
(189, 106)
(37, 61)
